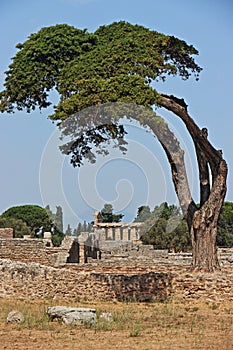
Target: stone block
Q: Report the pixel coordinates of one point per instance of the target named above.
(15, 317)
(72, 315)
(47, 235)
(6, 233)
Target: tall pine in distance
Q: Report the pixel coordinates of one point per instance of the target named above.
(58, 221)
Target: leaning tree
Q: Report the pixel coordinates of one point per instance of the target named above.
(121, 63)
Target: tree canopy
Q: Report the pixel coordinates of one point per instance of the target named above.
(165, 228)
(58, 219)
(143, 213)
(32, 215)
(33, 220)
(117, 62)
(108, 216)
(20, 228)
(36, 67)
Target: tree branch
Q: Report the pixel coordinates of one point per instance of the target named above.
(205, 152)
(212, 155)
(175, 156)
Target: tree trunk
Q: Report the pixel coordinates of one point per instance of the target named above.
(203, 222)
(204, 249)
(204, 225)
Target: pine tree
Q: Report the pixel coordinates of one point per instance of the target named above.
(68, 231)
(59, 219)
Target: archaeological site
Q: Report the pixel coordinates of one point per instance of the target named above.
(111, 263)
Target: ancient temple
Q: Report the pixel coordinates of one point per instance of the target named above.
(116, 231)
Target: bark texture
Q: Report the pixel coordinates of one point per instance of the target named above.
(202, 221)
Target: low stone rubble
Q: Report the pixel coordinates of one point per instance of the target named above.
(72, 315)
(130, 280)
(15, 317)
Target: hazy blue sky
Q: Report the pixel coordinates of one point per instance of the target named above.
(32, 170)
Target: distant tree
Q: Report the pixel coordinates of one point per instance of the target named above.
(20, 227)
(143, 213)
(33, 216)
(57, 238)
(68, 231)
(58, 220)
(225, 226)
(162, 238)
(166, 229)
(57, 225)
(108, 216)
(89, 227)
(157, 235)
(180, 238)
(84, 228)
(79, 228)
(161, 234)
(50, 213)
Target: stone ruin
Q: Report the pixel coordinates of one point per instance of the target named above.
(76, 250)
(109, 242)
(6, 233)
(116, 231)
(91, 267)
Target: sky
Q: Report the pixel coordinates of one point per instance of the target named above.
(32, 168)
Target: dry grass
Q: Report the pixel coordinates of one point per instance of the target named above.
(144, 326)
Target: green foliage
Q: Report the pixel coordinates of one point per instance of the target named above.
(50, 213)
(108, 216)
(121, 67)
(57, 239)
(32, 215)
(37, 65)
(68, 231)
(83, 227)
(19, 226)
(225, 226)
(58, 219)
(117, 62)
(166, 229)
(143, 213)
(56, 225)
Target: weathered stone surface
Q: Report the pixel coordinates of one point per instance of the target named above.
(129, 280)
(72, 315)
(6, 233)
(15, 317)
(86, 250)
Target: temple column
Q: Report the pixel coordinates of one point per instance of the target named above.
(82, 253)
(133, 233)
(125, 233)
(110, 232)
(117, 234)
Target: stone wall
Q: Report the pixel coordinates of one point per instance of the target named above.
(87, 250)
(40, 250)
(6, 233)
(28, 250)
(20, 280)
(121, 250)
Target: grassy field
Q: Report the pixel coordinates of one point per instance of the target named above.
(144, 326)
